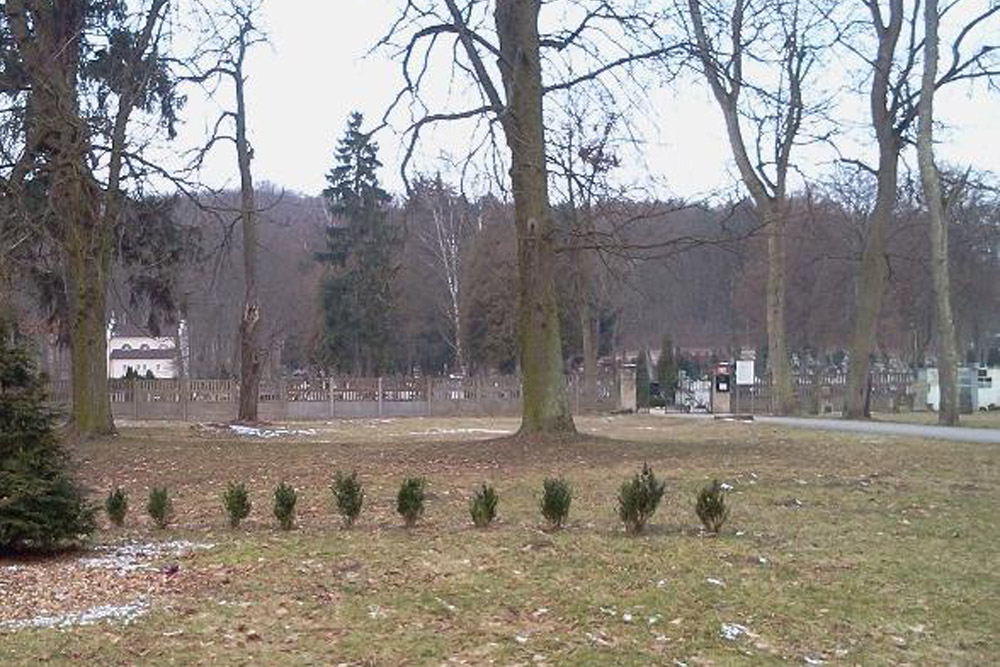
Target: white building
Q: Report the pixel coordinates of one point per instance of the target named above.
(987, 392)
(978, 388)
(132, 347)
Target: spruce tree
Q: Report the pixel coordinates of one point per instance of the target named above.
(361, 248)
(642, 381)
(41, 506)
(666, 370)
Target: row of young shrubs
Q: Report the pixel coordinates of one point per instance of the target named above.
(638, 499)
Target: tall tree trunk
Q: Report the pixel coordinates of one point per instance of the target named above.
(873, 275)
(873, 262)
(251, 353)
(944, 324)
(456, 333)
(769, 198)
(50, 46)
(589, 334)
(545, 399)
(777, 345)
(87, 258)
(583, 275)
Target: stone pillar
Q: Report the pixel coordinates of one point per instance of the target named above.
(626, 388)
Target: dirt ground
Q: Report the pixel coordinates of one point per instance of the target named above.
(840, 549)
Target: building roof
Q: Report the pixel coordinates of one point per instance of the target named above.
(129, 329)
(151, 354)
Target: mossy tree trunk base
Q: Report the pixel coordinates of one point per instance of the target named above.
(545, 398)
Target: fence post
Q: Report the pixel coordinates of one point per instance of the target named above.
(135, 399)
(329, 395)
(185, 394)
(379, 385)
(283, 397)
(428, 396)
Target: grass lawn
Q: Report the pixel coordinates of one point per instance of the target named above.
(840, 548)
(983, 419)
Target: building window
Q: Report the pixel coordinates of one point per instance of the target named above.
(144, 346)
(126, 346)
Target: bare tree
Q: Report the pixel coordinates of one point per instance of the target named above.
(893, 100)
(583, 155)
(231, 33)
(945, 325)
(515, 103)
(780, 38)
(443, 233)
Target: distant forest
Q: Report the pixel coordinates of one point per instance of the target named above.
(696, 273)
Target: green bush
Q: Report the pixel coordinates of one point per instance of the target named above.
(116, 505)
(284, 505)
(410, 500)
(160, 507)
(41, 505)
(711, 507)
(350, 496)
(483, 507)
(638, 499)
(556, 498)
(236, 500)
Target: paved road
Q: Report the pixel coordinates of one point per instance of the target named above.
(989, 436)
(953, 433)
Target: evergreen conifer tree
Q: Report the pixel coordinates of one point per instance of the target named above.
(642, 381)
(666, 370)
(41, 506)
(361, 248)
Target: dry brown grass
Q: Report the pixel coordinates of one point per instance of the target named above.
(842, 548)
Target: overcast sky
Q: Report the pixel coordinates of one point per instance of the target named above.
(303, 85)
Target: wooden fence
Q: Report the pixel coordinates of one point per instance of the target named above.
(330, 398)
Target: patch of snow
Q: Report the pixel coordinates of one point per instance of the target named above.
(135, 556)
(732, 631)
(726, 486)
(268, 433)
(124, 614)
(520, 639)
(715, 582)
(813, 661)
(627, 617)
